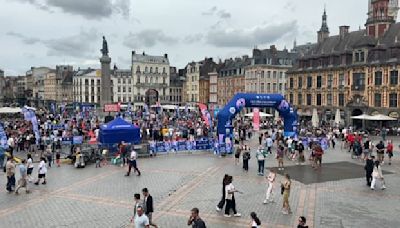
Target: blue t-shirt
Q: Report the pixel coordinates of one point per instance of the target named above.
(22, 170)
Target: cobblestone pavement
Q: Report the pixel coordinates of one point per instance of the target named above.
(103, 197)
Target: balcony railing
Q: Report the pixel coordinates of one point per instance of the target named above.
(358, 87)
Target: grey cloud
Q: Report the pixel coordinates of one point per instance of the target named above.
(247, 38)
(210, 11)
(223, 14)
(90, 9)
(23, 38)
(290, 6)
(148, 38)
(193, 38)
(79, 45)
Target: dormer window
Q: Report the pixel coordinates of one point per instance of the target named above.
(359, 56)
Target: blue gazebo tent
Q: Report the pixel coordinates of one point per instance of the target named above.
(119, 130)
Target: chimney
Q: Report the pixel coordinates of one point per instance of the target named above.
(166, 56)
(343, 31)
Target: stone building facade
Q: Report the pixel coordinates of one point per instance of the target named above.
(267, 71)
(356, 72)
(151, 78)
(231, 78)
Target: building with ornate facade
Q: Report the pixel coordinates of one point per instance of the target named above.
(231, 78)
(151, 78)
(87, 86)
(2, 84)
(267, 71)
(356, 72)
(197, 80)
(58, 85)
(175, 86)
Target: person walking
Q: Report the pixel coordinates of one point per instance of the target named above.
(255, 221)
(230, 199)
(42, 170)
(222, 201)
(271, 181)
(279, 156)
(300, 149)
(148, 206)
(246, 158)
(302, 222)
(318, 152)
(49, 155)
(377, 176)
(194, 220)
(132, 163)
(10, 172)
(260, 155)
(369, 168)
(389, 151)
(58, 159)
(269, 142)
(29, 165)
(367, 147)
(238, 152)
(136, 206)
(380, 151)
(23, 181)
(141, 220)
(285, 186)
(260, 138)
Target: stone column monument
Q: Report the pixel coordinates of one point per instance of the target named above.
(106, 89)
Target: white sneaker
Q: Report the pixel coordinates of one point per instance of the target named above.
(237, 215)
(217, 208)
(228, 216)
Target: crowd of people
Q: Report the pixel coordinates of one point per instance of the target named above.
(310, 144)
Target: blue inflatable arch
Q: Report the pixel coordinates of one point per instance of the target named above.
(242, 100)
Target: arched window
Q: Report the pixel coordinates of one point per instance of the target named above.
(151, 79)
(147, 80)
(138, 69)
(156, 70)
(163, 70)
(146, 70)
(151, 69)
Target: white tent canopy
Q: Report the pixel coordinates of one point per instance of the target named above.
(361, 117)
(262, 114)
(169, 107)
(381, 117)
(189, 108)
(337, 117)
(315, 118)
(10, 110)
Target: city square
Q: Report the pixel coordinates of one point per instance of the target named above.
(127, 113)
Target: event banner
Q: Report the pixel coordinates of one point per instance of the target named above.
(3, 137)
(256, 119)
(204, 113)
(203, 144)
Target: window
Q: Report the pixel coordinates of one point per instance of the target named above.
(330, 81)
(262, 74)
(329, 99)
(151, 69)
(291, 82)
(299, 99)
(300, 82)
(268, 74)
(156, 70)
(163, 70)
(123, 81)
(274, 74)
(280, 75)
(341, 99)
(309, 82)
(124, 89)
(119, 81)
(309, 99)
(393, 100)
(138, 69)
(146, 69)
(394, 77)
(280, 87)
(129, 81)
(129, 89)
(378, 100)
(268, 87)
(274, 87)
(359, 81)
(262, 87)
(291, 98)
(341, 80)
(319, 99)
(319, 81)
(378, 78)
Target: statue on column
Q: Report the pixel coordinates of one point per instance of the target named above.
(104, 50)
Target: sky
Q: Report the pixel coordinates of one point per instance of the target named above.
(53, 32)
